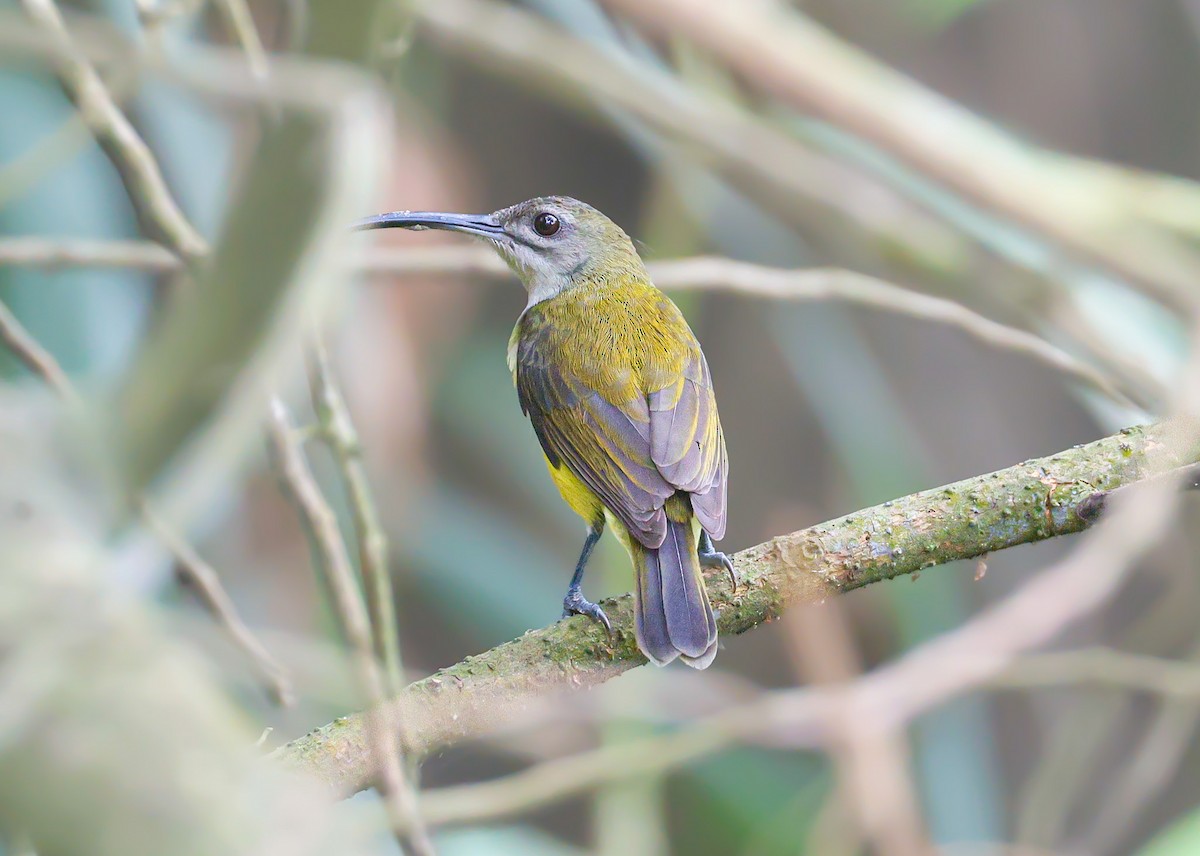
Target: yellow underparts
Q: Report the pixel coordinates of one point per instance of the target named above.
(584, 502)
(575, 493)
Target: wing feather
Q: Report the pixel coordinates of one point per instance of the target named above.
(687, 443)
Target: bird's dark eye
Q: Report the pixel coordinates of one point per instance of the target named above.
(545, 224)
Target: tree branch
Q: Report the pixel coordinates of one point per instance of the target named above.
(241, 21)
(728, 275)
(338, 430)
(1030, 502)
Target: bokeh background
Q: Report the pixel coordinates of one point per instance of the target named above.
(826, 408)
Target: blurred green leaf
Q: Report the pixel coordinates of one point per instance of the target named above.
(748, 801)
(214, 330)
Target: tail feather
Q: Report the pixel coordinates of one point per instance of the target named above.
(674, 618)
(650, 618)
(710, 653)
(684, 600)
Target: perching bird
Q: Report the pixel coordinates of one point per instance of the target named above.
(621, 400)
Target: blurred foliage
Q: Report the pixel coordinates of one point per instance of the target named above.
(749, 802)
(1181, 837)
(939, 13)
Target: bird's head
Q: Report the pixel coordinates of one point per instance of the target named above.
(552, 242)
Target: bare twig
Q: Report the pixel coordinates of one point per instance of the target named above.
(197, 575)
(752, 723)
(716, 274)
(727, 275)
(1097, 667)
(562, 778)
(53, 253)
(1029, 502)
(333, 565)
(338, 429)
(122, 144)
(36, 358)
(1104, 668)
(56, 252)
(241, 21)
(702, 273)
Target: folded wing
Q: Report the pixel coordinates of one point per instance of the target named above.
(634, 441)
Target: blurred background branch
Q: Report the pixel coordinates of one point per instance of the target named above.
(333, 565)
(196, 574)
(36, 359)
(804, 65)
(701, 274)
(128, 152)
(337, 429)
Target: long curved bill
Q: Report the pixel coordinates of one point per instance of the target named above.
(483, 225)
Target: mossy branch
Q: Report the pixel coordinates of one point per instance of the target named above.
(1033, 501)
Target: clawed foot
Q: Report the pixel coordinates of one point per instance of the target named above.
(711, 558)
(576, 604)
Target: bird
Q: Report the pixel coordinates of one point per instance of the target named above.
(621, 400)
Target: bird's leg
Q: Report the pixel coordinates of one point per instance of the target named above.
(710, 558)
(575, 603)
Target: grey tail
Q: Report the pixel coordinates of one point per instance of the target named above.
(674, 618)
